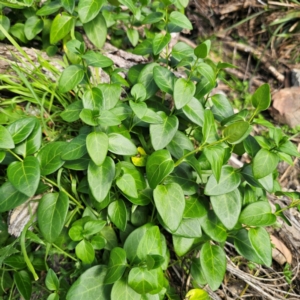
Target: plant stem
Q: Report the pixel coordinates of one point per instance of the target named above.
(15, 155)
(65, 253)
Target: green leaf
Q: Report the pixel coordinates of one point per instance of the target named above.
(85, 252)
(23, 282)
(49, 157)
(117, 213)
(237, 132)
(111, 94)
(92, 227)
(170, 203)
(144, 48)
(68, 5)
(89, 9)
(243, 246)
(10, 197)
(61, 26)
(257, 214)
(96, 30)
(162, 134)
(75, 149)
(215, 155)
(133, 36)
(119, 144)
(214, 228)
(130, 4)
(153, 18)
(264, 163)
(33, 26)
(21, 129)
(17, 30)
(122, 291)
(70, 78)
(181, 51)
(6, 140)
(100, 178)
(52, 213)
(72, 112)
(98, 242)
(146, 78)
(160, 41)
(49, 9)
(180, 20)
(182, 245)
(222, 108)
(126, 184)
(117, 265)
(179, 144)
(194, 208)
(142, 112)
(251, 145)
(261, 99)
(194, 111)
(209, 128)
(260, 241)
(208, 72)
(227, 207)
(96, 59)
(229, 181)
(184, 91)
(213, 263)
(5, 23)
(289, 148)
(159, 165)
(189, 228)
(164, 78)
(197, 294)
(138, 91)
(25, 175)
(97, 146)
(90, 285)
(51, 281)
(53, 296)
(202, 50)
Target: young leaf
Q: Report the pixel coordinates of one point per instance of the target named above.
(197, 294)
(75, 149)
(202, 50)
(10, 197)
(162, 134)
(25, 175)
(229, 181)
(215, 155)
(52, 213)
(261, 99)
(260, 241)
(213, 263)
(227, 207)
(133, 36)
(237, 132)
(182, 245)
(93, 282)
(49, 157)
(61, 26)
(117, 213)
(33, 26)
(139, 93)
(97, 146)
(96, 59)
(21, 129)
(264, 163)
(184, 91)
(23, 282)
(257, 214)
(160, 41)
(170, 203)
(100, 178)
(121, 290)
(159, 165)
(51, 281)
(180, 20)
(70, 78)
(117, 265)
(85, 251)
(89, 9)
(120, 145)
(96, 30)
(164, 78)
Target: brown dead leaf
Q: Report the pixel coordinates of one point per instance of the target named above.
(282, 249)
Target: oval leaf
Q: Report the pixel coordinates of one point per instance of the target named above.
(6, 140)
(261, 99)
(61, 26)
(264, 163)
(119, 144)
(89, 9)
(70, 78)
(97, 146)
(184, 91)
(237, 132)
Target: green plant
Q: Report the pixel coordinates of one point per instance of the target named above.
(137, 179)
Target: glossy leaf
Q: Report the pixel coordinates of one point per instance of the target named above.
(146, 78)
(25, 175)
(52, 213)
(116, 265)
(257, 214)
(227, 207)
(215, 155)
(96, 59)
(209, 128)
(61, 26)
(89, 9)
(170, 203)
(194, 111)
(194, 207)
(85, 252)
(181, 51)
(126, 184)
(213, 263)
(162, 134)
(182, 245)
(208, 72)
(214, 228)
(122, 291)
(159, 165)
(120, 145)
(100, 178)
(180, 20)
(33, 26)
(260, 241)
(164, 78)
(21, 129)
(49, 8)
(184, 91)
(96, 30)
(237, 132)
(5, 22)
(75, 149)
(189, 228)
(93, 99)
(97, 146)
(202, 50)
(160, 41)
(222, 108)
(6, 140)
(90, 285)
(261, 99)
(51, 281)
(264, 163)
(197, 294)
(229, 181)
(23, 282)
(72, 112)
(111, 94)
(117, 213)
(70, 78)
(153, 18)
(68, 5)
(133, 36)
